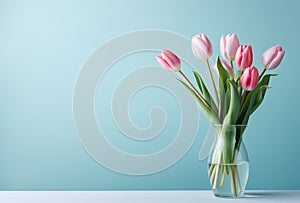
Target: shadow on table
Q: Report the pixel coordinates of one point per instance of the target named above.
(271, 194)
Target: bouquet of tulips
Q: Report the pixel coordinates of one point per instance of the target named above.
(236, 96)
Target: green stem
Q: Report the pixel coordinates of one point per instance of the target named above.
(262, 73)
(195, 90)
(232, 74)
(212, 177)
(243, 99)
(217, 173)
(232, 178)
(223, 175)
(211, 167)
(238, 178)
(213, 82)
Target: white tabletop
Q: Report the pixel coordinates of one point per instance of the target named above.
(143, 196)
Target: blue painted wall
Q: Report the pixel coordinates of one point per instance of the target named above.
(43, 45)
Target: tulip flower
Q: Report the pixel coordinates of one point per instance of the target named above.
(272, 57)
(169, 61)
(202, 50)
(201, 47)
(243, 56)
(249, 78)
(229, 46)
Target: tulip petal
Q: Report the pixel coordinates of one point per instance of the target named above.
(201, 47)
(232, 45)
(249, 78)
(163, 63)
(268, 55)
(243, 57)
(203, 44)
(276, 60)
(169, 61)
(171, 57)
(222, 47)
(197, 47)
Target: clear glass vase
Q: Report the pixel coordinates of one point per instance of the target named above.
(228, 163)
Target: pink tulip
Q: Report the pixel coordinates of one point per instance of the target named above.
(201, 47)
(229, 46)
(243, 56)
(169, 61)
(272, 57)
(249, 78)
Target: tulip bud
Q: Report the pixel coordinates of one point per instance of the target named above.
(229, 46)
(272, 57)
(169, 61)
(243, 56)
(201, 47)
(249, 78)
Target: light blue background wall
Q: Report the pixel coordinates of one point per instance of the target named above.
(43, 45)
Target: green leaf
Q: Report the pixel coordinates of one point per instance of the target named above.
(229, 134)
(263, 85)
(229, 130)
(225, 104)
(237, 75)
(251, 103)
(234, 106)
(254, 99)
(223, 77)
(209, 115)
(237, 80)
(223, 74)
(207, 96)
